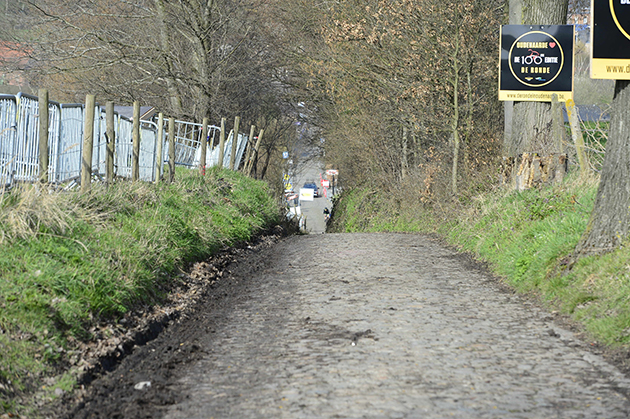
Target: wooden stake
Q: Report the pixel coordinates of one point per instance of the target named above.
(233, 162)
(171, 149)
(111, 142)
(88, 144)
(251, 162)
(159, 158)
(204, 146)
(135, 164)
(222, 143)
(576, 134)
(43, 135)
(558, 123)
(249, 147)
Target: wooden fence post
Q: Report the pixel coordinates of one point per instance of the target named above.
(251, 162)
(222, 143)
(159, 159)
(171, 149)
(558, 130)
(576, 134)
(43, 135)
(135, 165)
(88, 143)
(248, 147)
(204, 146)
(111, 142)
(237, 122)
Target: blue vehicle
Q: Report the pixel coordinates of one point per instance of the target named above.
(312, 185)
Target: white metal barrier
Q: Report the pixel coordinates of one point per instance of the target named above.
(19, 143)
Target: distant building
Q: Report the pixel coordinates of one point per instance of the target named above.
(146, 112)
(581, 18)
(13, 59)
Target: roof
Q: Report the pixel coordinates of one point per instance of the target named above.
(10, 51)
(146, 112)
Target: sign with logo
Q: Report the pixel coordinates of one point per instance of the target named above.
(332, 172)
(610, 39)
(536, 62)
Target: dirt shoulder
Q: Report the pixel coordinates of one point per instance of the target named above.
(125, 352)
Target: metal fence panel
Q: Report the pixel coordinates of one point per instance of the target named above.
(67, 155)
(242, 142)
(19, 143)
(99, 153)
(8, 134)
(188, 142)
(54, 132)
(148, 150)
(124, 147)
(26, 146)
(240, 148)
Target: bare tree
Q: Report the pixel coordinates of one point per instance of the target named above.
(191, 58)
(401, 78)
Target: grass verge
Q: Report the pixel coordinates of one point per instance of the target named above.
(526, 238)
(70, 260)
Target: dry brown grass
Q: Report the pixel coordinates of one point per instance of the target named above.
(30, 210)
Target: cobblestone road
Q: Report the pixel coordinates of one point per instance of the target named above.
(391, 326)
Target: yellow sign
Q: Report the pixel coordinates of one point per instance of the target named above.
(524, 96)
(610, 39)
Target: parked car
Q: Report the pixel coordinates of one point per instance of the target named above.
(312, 185)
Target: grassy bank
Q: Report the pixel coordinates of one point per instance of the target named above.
(525, 238)
(69, 261)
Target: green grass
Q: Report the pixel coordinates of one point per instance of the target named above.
(526, 238)
(69, 260)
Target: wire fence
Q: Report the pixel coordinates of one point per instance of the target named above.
(19, 143)
(594, 124)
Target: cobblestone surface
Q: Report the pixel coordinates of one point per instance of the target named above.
(390, 326)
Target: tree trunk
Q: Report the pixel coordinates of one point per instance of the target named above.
(516, 18)
(455, 117)
(532, 129)
(610, 220)
(405, 146)
(263, 172)
(165, 45)
(532, 123)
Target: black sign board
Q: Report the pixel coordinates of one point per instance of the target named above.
(536, 62)
(610, 39)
